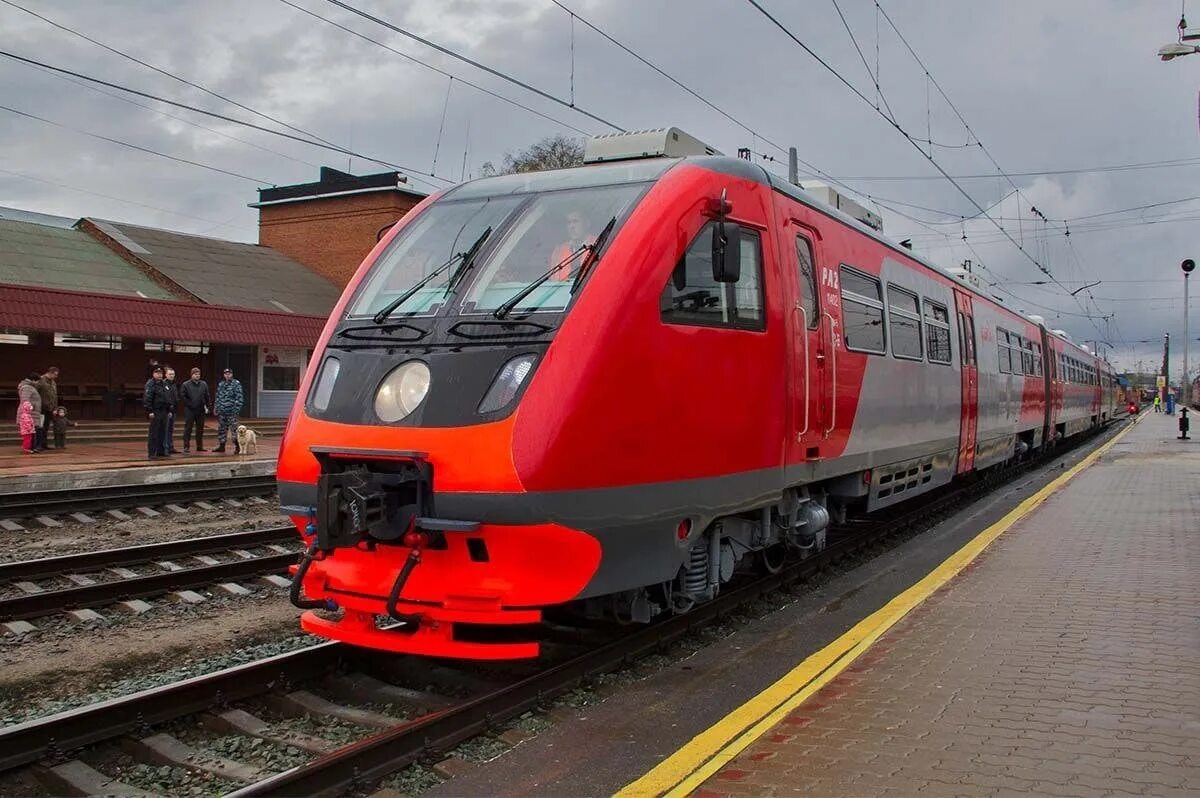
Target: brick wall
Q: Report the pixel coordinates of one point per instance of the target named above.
(331, 236)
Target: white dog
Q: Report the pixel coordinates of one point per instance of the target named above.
(247, 440)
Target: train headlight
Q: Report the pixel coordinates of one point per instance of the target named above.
(507, 383)
(401, 391)
(323, 391)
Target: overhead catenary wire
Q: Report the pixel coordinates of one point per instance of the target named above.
(164, 72)
(223, 117)
(477, 64)
(177, 118)
(854, 89)
(102, 195)
(137, 147)
(433, 68)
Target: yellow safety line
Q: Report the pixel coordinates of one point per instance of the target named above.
(705, 754)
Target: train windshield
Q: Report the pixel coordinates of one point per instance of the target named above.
(531, 232)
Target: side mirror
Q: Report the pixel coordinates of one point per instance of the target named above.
(726, 252)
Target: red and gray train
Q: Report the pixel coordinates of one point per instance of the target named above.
(607, 389)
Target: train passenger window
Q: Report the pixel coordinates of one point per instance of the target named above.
(904, 319)
(1037, 360)
(808, 280)
(1026, 357)
(937, 332)
(1005, 352)
(862, 311)
(692, 296)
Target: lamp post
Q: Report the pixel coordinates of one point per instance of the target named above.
(1187, 266)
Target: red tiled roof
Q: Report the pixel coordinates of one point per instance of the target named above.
(49, 310)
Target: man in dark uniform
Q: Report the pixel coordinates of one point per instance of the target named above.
(157, 402)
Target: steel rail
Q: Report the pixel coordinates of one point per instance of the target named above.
(26, 743)
(49, 502)
(378, 755)
(111, 558)
(34, 605)
(374, 757)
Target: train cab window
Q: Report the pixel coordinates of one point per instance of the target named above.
(1005, 352)
(808, 280)
(904, 320)
(693, 297)
(937, 332)
(862, 311)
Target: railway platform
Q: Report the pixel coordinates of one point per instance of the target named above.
(1056, 653)
(112, 463)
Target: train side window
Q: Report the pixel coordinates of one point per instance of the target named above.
(904, 320)
(1037, 360)
(1005, 352)
(1026, 357)
(937, 332)
(691, 296)
(808, 280)
(862, 311)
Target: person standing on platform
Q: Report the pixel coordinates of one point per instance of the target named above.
(173, 398)
(157, 402)
(228, 405)
(47, 388)
(1157, 403)
(195, 396)
(29, 411)
(61, 422)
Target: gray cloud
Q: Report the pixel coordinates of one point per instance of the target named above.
(1071, 84)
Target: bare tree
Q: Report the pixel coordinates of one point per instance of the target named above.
(552, 152)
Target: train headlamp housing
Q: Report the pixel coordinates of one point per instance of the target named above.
(401, 391)
(507, 383)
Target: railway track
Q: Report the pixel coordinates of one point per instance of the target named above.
(36, 588)
(66, 502)
(406, 722)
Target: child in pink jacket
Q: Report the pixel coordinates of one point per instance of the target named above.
(26, 426)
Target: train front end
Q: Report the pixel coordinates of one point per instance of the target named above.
(398, 465)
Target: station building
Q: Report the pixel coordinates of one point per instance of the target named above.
(100, 298)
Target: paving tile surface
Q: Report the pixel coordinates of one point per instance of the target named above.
(1064, 661)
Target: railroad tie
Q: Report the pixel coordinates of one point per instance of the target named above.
(76, 778)
(117, 514)
(238, 721)
(47, 521)
(149, 513)
(302, 702)
(175, 508)
(9, 525)
(83, 518)
(163, 749)
(204, 505)
(205, 559)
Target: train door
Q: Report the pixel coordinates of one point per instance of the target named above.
(970, 382)
(808, 347)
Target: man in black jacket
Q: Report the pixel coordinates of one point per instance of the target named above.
(195, 396)
(157, 402)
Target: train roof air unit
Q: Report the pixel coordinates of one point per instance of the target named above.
(667, 142)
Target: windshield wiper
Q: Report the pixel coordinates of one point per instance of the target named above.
(467, 262)
(592, 249)
(465, 257)
(588, 263)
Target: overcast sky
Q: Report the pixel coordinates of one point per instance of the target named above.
(1045, 87)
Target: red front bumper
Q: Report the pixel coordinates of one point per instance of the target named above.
(503, 582)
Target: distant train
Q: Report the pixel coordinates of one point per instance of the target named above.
(611, 388)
